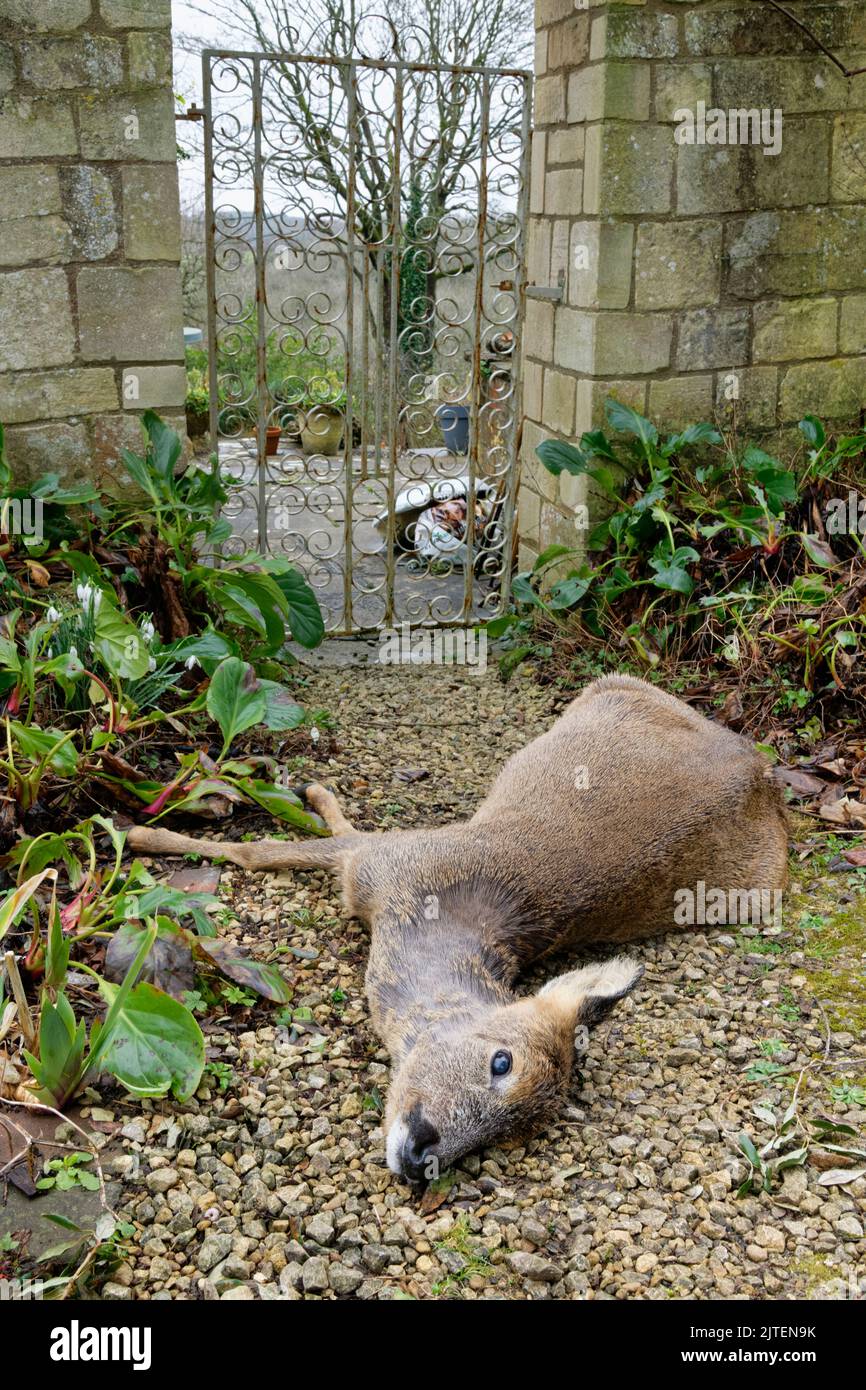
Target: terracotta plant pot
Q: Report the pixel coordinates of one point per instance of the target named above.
(322, 430)
(272, 440)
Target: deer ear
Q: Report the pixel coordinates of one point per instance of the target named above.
(587, 996)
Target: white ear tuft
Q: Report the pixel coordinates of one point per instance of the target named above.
(588, 995)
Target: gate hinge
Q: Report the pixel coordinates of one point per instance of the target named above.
(554, 292)
(195, 113)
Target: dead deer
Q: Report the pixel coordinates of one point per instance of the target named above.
(585, 838)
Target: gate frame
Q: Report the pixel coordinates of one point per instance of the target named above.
(510, 476)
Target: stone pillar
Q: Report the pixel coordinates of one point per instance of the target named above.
(91, 332)
(700, 280)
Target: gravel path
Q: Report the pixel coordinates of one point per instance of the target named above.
(275, 1187)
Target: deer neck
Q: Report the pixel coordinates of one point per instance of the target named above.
(431, 970)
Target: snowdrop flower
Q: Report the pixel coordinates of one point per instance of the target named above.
(50, 653)
(314, 734)
(88, 597)
(52, 615)
(148, 631)
(151, 665)
(73, 653)
(191, 662)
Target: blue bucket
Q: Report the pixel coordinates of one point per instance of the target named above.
(454, 424)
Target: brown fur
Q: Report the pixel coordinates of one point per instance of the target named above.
(585, 836)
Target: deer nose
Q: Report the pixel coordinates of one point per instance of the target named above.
(417, 1146)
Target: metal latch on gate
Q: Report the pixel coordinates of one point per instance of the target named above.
(547, 291)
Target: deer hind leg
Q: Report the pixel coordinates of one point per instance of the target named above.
(326, 804)
(257, 856)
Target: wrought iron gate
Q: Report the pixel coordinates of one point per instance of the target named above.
(365, 229)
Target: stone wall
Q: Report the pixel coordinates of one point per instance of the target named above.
(699, 279)
(90, 318)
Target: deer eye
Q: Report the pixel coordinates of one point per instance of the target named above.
(500, 1063)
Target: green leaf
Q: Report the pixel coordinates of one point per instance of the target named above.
(569, 591)
(235, 699)
(559, 457)
(209, 649)
(120, 645)
(672, 577)
(818, 550)
(553, 552)
(627, 421)
(596, 442)
(281, 803)
(305, 615)
(253, 974)
(41, 745)
(156, 1045)
(16, 901)
(281, 711)
(813, 431)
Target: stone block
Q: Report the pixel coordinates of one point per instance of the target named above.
(791, 329)
(91, 60)
(30, 211)
(153, 388)
(136, 14)
(8, 75)
(678, 264)
(61, 447)
(852, 330)
(151, 213)
(834, 390)
(549, 101)
(634, 34)
(627, 344)
(681, 86)
(711, 179)
(37, 320)
(566, 146)
(681, 400)
(36, 128)
(69, 391)
(128, 315)
(848, 183)
(537, 171)
(600, 264)
(563, 192)
(619, 91)
(558, 411)
(568, 42)
(628, 169)
(58, 16)
(593, 395)
(128, 126)
(748, 397)
(88, 198)
(713, 338)
(538, 329)
(810, 250)
(575, 336)
(150, 63)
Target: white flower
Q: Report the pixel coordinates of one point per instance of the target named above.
(314, 734)
(50, 653)
(151, 665)
(88, 597)
(148, 631)
(52, 615)
(73, 653)
(191, 662)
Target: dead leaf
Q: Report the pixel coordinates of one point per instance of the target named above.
(844, 812)
(168, 965)
(244, 970)
(801, 783)
(411, 774)
(38, 574)
(857, 857)
(836, 1177)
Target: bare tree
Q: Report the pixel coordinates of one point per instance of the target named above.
(445, 116)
